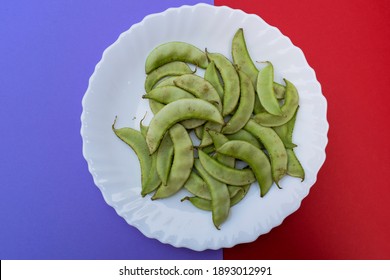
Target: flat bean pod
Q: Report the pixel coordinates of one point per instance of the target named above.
(164, 158)
(285, 132)
(265, 90)
(245, 136)
(200, 88)
(197, 186)
(167, 94)
(156, 106)
(241, 56)
(153, 181)
(169, 69)
(175, 112)
(294, 167)
(206, 139)
(205, 204)
(211, 75)
(231, 82)
(183, 161)
(288, 109)
(274, 146)
(244, 108)
(225, 174)
(175, 51)
(244, 62)
(136, 141)
(218, 140)
(255, 158)
(220, 199)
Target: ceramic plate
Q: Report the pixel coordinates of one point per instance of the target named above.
(116, 87)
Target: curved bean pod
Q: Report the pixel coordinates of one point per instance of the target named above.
(225, 174)
(153, 181)
(136, 141)
(205, 204)
(175, 51)
(211, 74)
(170, 69)
(206, 139)
(200, 88)
(294, 167)
(241, 56)
(245, 106)
(265, 90)
(167, 94)
(175, 112)
(218, 140)
(164, 158)
(183, 161)
(156, 106)
(197, 186)
(274, 146)
(220, 199)
(245, 136)
(231, 82)
(285, 132)
(255, 158)
(244, 62)
(288, 109)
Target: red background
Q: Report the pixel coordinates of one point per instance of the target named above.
(347, 213)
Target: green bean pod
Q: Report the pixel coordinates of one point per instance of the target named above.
(197, 186)
(241, 57)
(294, 167)
(218, 140)
(225, 174)
(245, 106)
(136, 141)
(169, 69)
(255, 158)
(175, 112)
(231, 82)
(200, 88)
(265, 90)
(274, 146)
(211, 75)
(182, 164)
(175, 51)
(245, 136)
(164, 158)
(220, 199)
(288, 109)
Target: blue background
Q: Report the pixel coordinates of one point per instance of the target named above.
(49, 205)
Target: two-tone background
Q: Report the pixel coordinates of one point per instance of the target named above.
(49, 205)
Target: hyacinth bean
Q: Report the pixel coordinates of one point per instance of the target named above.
(288, 108)
(182, 164)
(200, 88)
(212, 76)
(164, 158)
(169, 69)
(225, 174)
(265, 90)
(220, 198)
(175, 51)
(231, 82)
(136, 141)
(255, 158)
(245, 106)
(175, 112)
(274, 146)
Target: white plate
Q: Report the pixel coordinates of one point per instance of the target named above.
(115, 89)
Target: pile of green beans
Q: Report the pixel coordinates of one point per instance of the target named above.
(242, 118)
